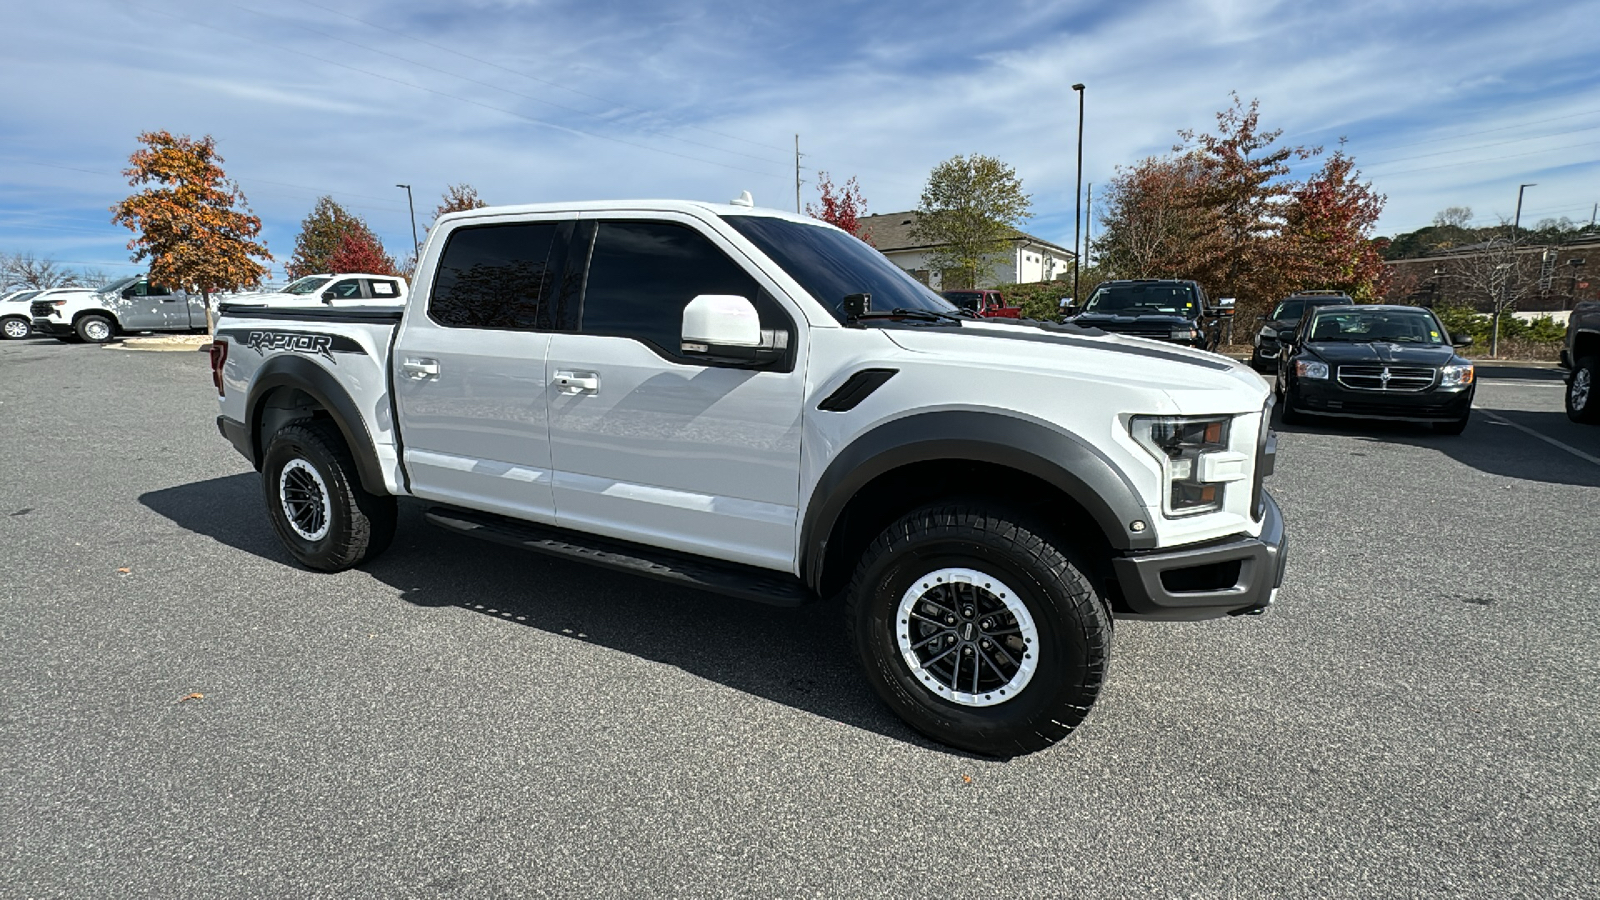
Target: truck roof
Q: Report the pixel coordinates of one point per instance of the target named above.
(679, 206)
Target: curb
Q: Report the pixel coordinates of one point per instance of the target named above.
(173, 344)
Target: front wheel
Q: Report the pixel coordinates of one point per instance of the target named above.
(979, 630)
(95, 329)
(316, 503)
(1583, 405)
(15, 328)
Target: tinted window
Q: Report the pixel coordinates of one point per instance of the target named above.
(1289, 309)
(1391, 326)
(831, 265)
(642, 275)
(157, 290)
(348, 289)
(493, 276)
(1146, 299)
(964, 299)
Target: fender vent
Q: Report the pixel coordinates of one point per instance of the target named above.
(855, 389)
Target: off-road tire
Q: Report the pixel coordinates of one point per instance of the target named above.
(1583, 391)
(1072, 626)
(95, 329)
(355, 526)
(15, 328)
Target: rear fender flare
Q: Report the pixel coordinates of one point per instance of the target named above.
(304, 375)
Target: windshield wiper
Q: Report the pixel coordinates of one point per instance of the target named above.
(965, 315)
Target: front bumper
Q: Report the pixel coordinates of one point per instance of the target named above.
(52, 327)
(1321, 398)
(1233, 577)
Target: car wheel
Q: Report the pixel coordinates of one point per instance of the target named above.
(1289, 415)
(95, 329)
(1455, 427)
(979, 630)
(315, 500)
(1583, 405)
(14, 328)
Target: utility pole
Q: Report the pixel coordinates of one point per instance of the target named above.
(416, 245)
(1511, 276)
(1077, 198)
(1088, 223)
(797, 174)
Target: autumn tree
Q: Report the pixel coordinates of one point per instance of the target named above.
(361, 251)
(457, 198)
(193, 224)
(322, 232)
(1153, 222)
(1327, 232)
(840, 207)
(968, 212)
(1245, 185)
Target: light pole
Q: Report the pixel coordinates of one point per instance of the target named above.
(416, 245)
(1077, 196)
(1510, 276)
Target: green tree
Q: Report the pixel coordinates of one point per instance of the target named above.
(193, 225)
(968, 212)
(322, 232)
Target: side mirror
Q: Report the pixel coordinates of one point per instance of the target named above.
(726, 328)
(1461, 340)
(1069, 307)
(127, 293)
(327, 297)
(1224, 307)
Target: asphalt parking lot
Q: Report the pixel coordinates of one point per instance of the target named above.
(1417, 717)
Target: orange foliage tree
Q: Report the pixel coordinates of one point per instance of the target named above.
(192, 223)
(841, 207)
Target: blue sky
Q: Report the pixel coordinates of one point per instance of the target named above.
(1443, 104)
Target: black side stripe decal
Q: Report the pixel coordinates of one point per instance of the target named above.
(855, 389)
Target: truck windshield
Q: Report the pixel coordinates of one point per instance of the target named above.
(831, 265)
(306, 285)
(112, 287)
(1145, 300)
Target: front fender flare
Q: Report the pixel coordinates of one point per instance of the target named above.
(1068, 462)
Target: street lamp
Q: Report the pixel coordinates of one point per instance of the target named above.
(416, 245)
(1077, 198)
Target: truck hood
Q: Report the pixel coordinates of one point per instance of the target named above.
(1147, 322)
(1197, 382)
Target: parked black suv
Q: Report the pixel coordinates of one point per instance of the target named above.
(1376, 362)
(1580, 356)
(1160, 309)
(1284, 318)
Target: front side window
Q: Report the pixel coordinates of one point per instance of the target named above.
(493, 276)
(642, 275)
(971, 300)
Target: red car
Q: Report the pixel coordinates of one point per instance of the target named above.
(986, 303)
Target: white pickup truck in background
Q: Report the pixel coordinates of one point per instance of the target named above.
(755, 403)
(344, 289)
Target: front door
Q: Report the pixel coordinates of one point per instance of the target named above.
(469, 376)
(653, 446)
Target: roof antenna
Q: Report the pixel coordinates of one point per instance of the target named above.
(744, 199)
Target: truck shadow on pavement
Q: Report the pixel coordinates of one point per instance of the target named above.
(1487, 445)
(796, 657)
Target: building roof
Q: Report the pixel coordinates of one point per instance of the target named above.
(894, 231)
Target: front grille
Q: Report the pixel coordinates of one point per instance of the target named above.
(42, 309)
(1375, 408)
(1386, 378)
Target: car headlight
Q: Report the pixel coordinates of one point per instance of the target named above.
(1195, 461)
(1183, 334)
(1310, 368)
(1455, 376)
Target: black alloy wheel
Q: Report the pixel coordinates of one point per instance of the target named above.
(316, 502)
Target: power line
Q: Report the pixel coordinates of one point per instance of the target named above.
(1474, 162)
(534, 78)
(1535, 137)
(1477, 133)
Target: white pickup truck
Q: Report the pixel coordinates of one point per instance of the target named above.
(750, 402)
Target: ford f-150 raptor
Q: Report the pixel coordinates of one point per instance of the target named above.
(755, 403)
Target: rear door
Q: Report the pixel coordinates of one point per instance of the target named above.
(469, 369)
(653, 446)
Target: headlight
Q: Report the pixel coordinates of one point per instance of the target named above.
(1182, 334)
(1194, 457)
(1310, 368)
(1455, 376)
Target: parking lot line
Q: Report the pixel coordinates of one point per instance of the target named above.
(1547, 439)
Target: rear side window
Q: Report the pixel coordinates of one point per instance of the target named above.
(383, 289)
(642, 275)
(493, 276)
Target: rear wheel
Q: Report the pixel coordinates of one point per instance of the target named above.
(1583, 405)
(978, 630)
(95, 329)
(15, 327)
(316, 503)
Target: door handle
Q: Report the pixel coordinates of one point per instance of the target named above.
(420, 369)
(578, 382)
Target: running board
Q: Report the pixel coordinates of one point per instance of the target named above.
(745, 582)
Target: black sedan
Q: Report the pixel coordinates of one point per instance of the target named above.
(1376, 362)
